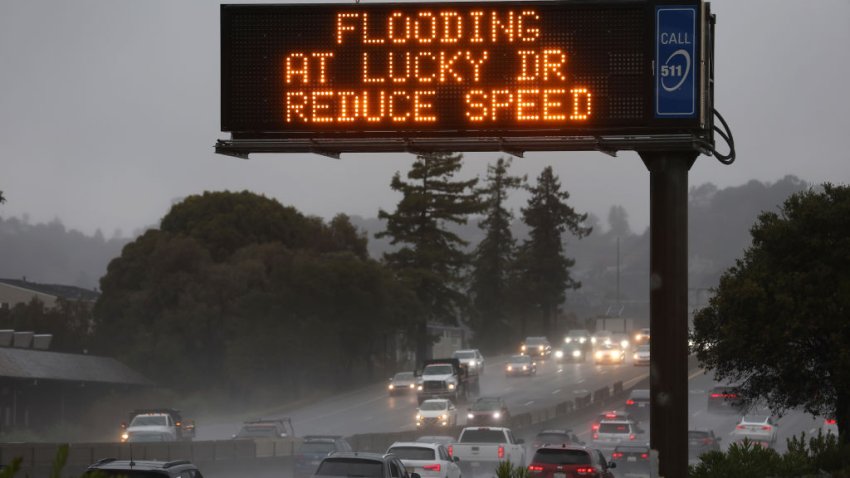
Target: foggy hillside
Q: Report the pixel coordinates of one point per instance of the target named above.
(719, 232)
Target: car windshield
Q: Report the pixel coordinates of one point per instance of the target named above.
(464, 355)
(754, 419)
(577, 333)
(614, 428)
(351, 467)
(535, 341)
(520, 359)
(640, 394)
(251, 431)
(148, 421)
(643, 348)
(412, 452)
(552, 438)
(403, 376)
(433, 405)
(482, 435)
(550, 456)
(315, 447)
(484, 405)
(438, 370)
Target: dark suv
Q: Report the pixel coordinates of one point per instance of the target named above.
(363, 465)
(637, 404)
(110, 467)
(313, 449)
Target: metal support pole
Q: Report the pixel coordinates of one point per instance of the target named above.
(668, 308)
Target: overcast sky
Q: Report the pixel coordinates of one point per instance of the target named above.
(109, 111)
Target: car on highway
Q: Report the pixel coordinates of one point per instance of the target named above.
(567, 461)
(444, 440)
(614, 432)
(429, 460)
(637, 405)
(702, 441)
(600, 337)
(471, 358)
(313, 449)
(269, 428)
(481, 449)
(536, 347)
(641, 355)
(488, 411)
(642, 337)
(113, 468)
(757, 428)
(520, 365)
(157, 425)
(622, 340)
(573, 352)
(577, 336)
(436, 413)
(632, 460)
(446, 378)
(555, 437)
(609, 354)
(402, 382)
(348, 464)
(610, 415)
(724, 399)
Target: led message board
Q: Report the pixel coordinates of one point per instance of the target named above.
(462, 70)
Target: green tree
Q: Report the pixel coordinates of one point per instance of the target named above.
(493, 258)
(544, 269)
(778, 323)
(430, 260)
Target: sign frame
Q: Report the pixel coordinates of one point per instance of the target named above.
(656, 134)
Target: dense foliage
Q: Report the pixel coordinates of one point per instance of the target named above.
(240, 293)
(778, 322)
(69, 321)
(430, 259)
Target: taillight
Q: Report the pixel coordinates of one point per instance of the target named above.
(585, 470)
(595, 427)
(595, 436)
(707, 441)
(715, 395)
(829, 421)
(766, 427)
(434, 467)
(535, 468)
(616, 454)
(451, 450)
(644, 455)
(632, 436)
(740, 427)
(630, 402)
(501, 452)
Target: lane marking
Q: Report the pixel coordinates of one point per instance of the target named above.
(581, 381)
(556, 392)
(581, 391)
(699, 371)
(529, 403)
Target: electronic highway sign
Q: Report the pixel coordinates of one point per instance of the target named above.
(465, 76)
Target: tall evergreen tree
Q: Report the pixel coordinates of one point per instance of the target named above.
(544, 269)
(493, 258)
(430, 260)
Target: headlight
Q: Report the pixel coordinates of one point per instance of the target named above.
(607, 341)
(576, 353)
(411, 385)
(593, 340)
(444, 417)
(510, 368)
(541, 348)
(419, 387)
(497, 415)
(624, 343)
(470, 416)
(559, 353)
(473, 363)
(635, 357)
(125, 436)
(600, 354)
(451, 386)
(582, 340)
(392, 386)
(418, 417)
(567, 340)
(522, 348)
(525, 367)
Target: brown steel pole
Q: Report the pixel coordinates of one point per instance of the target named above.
(668, 308)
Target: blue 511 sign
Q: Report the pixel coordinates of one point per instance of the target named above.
(676, 61)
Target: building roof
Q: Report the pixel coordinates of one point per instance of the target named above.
(44, 365)
(57, 290)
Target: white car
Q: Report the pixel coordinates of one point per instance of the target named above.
(472, 358)
(429, 460)
(601, 337)
(151, 427)
(614, 432)
(641, 356)
(757, 428)
(436, 413)
(621, 340)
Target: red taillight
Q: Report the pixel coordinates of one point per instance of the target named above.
(585, 470)
(501, 452)
(616, 454)
(644, 455)
(766, 427)
(535, 468)
(611, 414)
(595, 427)
(451, 450)
(829, 421)
(707, 441)
(716, 395)
(434, 467)
(632, 436)
(595, 436)
(630, 402)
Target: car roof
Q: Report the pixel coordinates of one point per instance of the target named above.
(642, 393)
(643, 448)
(561, 431)
(358, 454)
(467, 350)
(145, 465)
(612, 414)
(565, 447)
(755, 418)
(618, 421)
(416, 444)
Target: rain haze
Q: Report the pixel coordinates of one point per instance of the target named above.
(109, 112)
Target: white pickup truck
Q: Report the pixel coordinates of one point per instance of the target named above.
(481, 449)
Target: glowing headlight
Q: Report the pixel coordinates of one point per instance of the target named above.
(419, 388)
(541, 348)
(444, 417)
(125, 436)
(510, 368)
(451, 386)
(582, 340)
(593, 340)
(568, 339)
(470, 416)
(608, 341)
(392, 386)
(635, 357)
(576, 353)
(523, 348)
(624, 343)
(559, 354)
(418, 417)
(412, 386)
(497, 415)
(473, 363)
(525, 367)
(600, 354)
